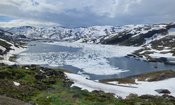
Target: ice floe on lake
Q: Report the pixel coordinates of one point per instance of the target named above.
(91, 58)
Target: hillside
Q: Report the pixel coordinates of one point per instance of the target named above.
(8, 46)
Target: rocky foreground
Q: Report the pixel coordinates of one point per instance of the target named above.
(36, 85)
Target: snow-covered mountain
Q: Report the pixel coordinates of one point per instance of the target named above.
(125, 35)
(157, 40)
(60, 33)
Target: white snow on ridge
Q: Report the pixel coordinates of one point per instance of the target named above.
(143, 88)
(15, 51)
(154, 38)
(158, 55)
(6, 41)
(147, 28)
(2, 48)
(93, 34)
(91, 58)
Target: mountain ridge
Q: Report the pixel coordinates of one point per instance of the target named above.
(95, 34)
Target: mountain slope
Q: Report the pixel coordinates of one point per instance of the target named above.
(8, 46)
(5, 39)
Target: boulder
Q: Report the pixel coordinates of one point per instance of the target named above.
(163, 91)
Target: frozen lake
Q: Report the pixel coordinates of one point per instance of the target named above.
(90, 60)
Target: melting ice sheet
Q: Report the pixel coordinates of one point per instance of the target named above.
(89, 58)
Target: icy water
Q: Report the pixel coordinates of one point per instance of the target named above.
(171, 31)
(93, 64)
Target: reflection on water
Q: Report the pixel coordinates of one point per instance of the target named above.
(38, 47)
(138, 66)
(134, 66)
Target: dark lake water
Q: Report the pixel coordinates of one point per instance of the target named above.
(38, 47)
(134, 66)
(171, 30)
(138, 66)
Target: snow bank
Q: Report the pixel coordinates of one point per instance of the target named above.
(2, 48)
(158, 55)
(15, 51)
(143, 88)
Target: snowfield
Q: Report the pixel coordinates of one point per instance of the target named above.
(13, 52)
(2, 48)
(142, 88)
(91, 58)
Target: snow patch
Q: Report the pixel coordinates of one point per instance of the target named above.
(2, 48)
(123, 91)
(158, 55)
(15, 51)
(16, 83)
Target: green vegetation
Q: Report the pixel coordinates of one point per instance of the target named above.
(155, 76)
(47, 87)
(150, 76)
(43, 86)
(149, 100)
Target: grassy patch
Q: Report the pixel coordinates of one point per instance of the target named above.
(151, 76)
(150, 100)
(155, 76)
